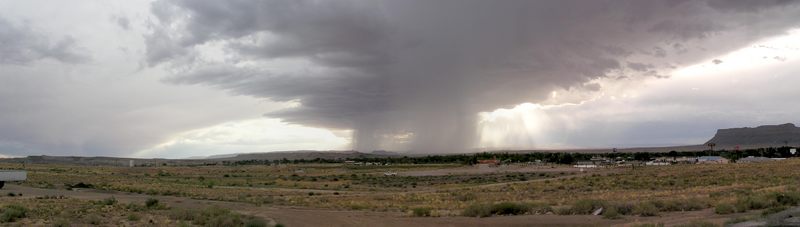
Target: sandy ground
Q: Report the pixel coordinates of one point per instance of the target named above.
(292, 216)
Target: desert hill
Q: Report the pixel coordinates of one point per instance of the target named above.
(761, 136)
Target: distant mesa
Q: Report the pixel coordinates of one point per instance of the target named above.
(761, 136)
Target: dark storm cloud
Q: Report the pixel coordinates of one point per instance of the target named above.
(426, 67)
(748, 6)
(21, 45)
(640, 66)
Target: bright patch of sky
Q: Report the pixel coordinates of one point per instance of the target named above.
(749, 87)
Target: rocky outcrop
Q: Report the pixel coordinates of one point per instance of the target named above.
(766, 135)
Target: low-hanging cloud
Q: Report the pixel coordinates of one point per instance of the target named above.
(389, 69)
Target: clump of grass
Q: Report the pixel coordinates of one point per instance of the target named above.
(724, 208)
(134, 217)
(739, 220)
(650, 225)
(773, 210)
(645, 209)
(421, 212)
(216, 216)
(681, 204)
(153, 203)
(108, 201)
(94, 220)
(586, 206)
(255, 222)
(61, 223)
(79, 185)
(698, 224)
(12, 213)
(509, 208)
(478, 210)
(135, 207)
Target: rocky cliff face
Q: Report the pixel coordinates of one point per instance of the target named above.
(766, 135)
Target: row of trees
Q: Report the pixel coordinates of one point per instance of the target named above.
(550, 157)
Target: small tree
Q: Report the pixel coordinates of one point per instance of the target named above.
(711, 145)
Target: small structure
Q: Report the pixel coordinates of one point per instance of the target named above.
(753, 159)
(537, 162)
(601, 161)
(594, 162)
(711, 160)
(489, 162)
(12, 175)
(390, 173)
(684, 160)
(585, 164)
(657, 163)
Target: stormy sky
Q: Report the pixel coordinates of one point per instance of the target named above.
(171, 78)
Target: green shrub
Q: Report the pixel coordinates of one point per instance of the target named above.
(151, 203)
(739, 220)
(741, 205)
(564, 210)
(61, 223)
(421, 212)
(79, 185)
(255, 222)
(215, 216)
(134, 217)
(611, 213)
(724, 208)
(645, 209)
(650, 225)
(698, 224)
(134, 207)
(478, 210)
(760, 202)
(12, 213)
(538, 208)
(509, 208)
(586, 206)
(754, 202)
(786, 198)
(109, 201)
(505, 208)
(94, 219)
(773, 210)
(681, 205)
(623, 208)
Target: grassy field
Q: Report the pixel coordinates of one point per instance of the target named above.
(643, 191)
(65, 211)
